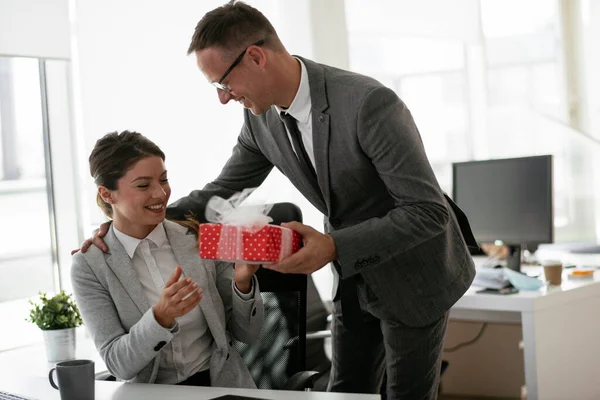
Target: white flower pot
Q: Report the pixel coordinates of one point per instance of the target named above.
(60, 344)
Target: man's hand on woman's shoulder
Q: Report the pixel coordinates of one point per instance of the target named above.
(95, 239)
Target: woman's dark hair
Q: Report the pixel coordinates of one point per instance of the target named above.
(113, 155)
(232, 27)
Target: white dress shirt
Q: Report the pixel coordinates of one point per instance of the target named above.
(192, 343)
(301, 110)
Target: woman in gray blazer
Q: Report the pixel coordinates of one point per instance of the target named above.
(157, 312)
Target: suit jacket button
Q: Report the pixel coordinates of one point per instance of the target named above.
(335, 223)
(377, 259)
(160, 345)
(357, 265)
(321, 119)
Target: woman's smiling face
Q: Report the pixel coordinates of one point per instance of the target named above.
(139, 203)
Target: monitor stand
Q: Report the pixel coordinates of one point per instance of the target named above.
(513, 260)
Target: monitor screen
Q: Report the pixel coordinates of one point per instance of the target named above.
(508, 199)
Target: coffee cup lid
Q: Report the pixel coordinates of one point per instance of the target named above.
(551, 263)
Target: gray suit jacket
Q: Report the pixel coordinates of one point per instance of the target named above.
(382, 203)
(117, 314)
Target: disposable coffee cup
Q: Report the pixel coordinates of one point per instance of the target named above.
(553, 271)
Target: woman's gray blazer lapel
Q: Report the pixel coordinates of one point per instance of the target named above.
(119, 262)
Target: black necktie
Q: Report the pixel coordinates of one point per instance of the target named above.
(301, 154)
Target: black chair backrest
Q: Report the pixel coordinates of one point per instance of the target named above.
(280, 351)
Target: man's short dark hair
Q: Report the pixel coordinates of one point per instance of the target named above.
(233, 26)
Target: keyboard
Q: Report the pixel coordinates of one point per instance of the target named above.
(10, 396)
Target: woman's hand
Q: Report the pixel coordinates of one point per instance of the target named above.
(173, 302)
(243, 276)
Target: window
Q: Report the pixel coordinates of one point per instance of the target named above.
(28, 254)
(527, 107)
(483, 79)
(425, 66)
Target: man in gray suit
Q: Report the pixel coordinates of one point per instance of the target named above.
(351, 147)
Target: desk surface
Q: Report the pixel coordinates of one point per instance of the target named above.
(39, 388)
(32, 359)
(529, 300)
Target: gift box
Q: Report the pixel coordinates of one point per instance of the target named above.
(250, 244)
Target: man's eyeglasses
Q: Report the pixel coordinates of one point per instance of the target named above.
(218, 83)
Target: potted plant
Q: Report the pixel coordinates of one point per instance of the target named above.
(57, 317)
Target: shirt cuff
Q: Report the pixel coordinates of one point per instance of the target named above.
(151, 329)
(244, 296)
(173, 329)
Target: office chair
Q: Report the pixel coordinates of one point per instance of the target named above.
(277, 360)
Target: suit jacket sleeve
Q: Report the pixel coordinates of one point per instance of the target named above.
(125, 353)
(246, 168)
(389, 137)
(244, 318)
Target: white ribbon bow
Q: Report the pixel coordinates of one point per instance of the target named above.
(229, 212)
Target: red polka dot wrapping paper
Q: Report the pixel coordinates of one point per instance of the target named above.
(250, 244)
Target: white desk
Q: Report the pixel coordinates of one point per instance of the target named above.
(31, 360)
(561, 334)
(39, 388)
(25, 372)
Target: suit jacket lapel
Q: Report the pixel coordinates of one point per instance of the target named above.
(186, 253)
(320, 125)
(120, 263)
(292, 167)
(320, 128)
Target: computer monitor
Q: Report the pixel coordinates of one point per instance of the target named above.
(507, 200)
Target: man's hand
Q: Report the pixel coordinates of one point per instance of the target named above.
(243, 276)
(318, 250)
(178, 298)
(95, 239)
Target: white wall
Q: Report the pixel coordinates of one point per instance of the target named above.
(134, 74)
(457, 19)
(36, 28)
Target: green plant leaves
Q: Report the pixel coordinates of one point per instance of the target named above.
(58, 312)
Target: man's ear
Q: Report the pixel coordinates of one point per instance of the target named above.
(106, 195)
(257, 55)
